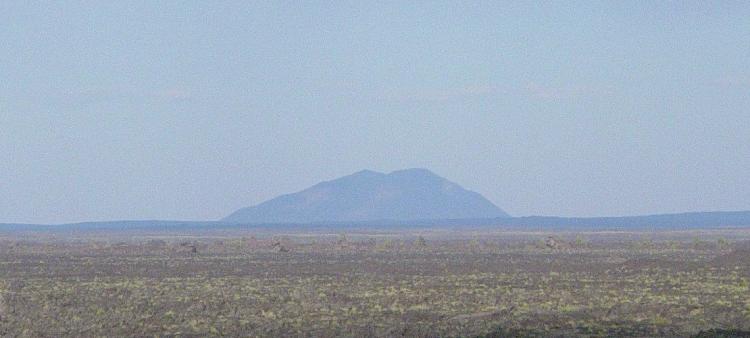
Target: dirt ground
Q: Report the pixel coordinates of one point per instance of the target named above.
(416, 283)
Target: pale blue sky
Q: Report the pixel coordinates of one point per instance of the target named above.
(190, 110)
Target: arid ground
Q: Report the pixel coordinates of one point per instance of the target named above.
(420, 283)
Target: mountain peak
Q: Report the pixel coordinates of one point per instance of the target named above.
(404, 172)
(408, 194)
(415, 172)
(367, 172)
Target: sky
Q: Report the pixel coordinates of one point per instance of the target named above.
(188, 110)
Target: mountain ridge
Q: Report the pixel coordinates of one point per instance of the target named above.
(675, 221)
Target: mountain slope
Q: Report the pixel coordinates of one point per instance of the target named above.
(409, 194)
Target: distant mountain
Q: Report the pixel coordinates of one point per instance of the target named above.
(411, 194)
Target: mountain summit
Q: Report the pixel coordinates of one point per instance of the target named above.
(411, 194)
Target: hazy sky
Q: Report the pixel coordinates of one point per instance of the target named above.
(190, 110)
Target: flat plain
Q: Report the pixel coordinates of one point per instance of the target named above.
(416, 283)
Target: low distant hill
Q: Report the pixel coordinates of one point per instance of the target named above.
(411, 194)
(681, 221)
(684, 221)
